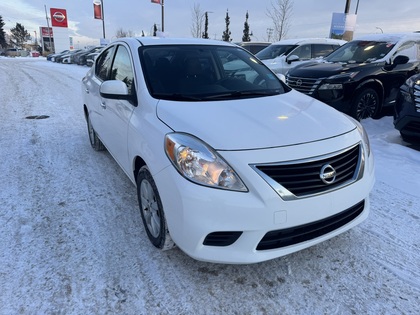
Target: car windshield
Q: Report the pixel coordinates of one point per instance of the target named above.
(360, 51)
(274, 51)
(201, 72)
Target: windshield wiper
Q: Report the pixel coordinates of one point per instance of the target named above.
(239, 94)
(176, 97)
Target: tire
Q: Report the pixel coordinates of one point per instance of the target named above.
(151, 211)
(95, 142)
(366, 104)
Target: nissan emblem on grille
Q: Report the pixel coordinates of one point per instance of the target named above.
(327, 174)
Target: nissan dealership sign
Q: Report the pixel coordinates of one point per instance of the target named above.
(58, 17)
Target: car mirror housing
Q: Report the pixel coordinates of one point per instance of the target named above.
(400, 60)
(114, 89)
(292, 58)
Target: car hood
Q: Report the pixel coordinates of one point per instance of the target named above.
(321, 69)
(255, 123)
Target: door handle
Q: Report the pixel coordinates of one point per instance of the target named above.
(103, 105)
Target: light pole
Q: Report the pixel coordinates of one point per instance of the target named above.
(103, 18)
(380, 29)
(96, 5)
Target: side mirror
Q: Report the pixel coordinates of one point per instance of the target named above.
(400, 60)
(292, 58)
(114, 89)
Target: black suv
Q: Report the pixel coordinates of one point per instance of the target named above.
(363, 76)
(407, 110)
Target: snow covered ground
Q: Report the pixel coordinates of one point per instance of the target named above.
(72, 241)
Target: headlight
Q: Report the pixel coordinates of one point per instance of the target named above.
(413, 80)
(201, 164)
(363, 134)
(331, 86)
(344, 76)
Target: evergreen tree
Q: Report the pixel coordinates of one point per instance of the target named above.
(3, 43)
(247, 36)
(206, 26)
(19, 35)
(226, 33)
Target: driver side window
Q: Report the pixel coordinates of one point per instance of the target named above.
(303, 52)
(103, 64)
(122, 69)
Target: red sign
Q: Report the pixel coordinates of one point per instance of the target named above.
(97, 10)
(156, 1)
(58, 17)
(45, 33)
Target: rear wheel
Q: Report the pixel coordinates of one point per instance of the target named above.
(95, 142)
(152, 211)
(366, 104)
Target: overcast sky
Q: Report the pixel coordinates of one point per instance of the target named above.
(310, 18)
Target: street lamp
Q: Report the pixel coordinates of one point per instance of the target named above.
(380, 29)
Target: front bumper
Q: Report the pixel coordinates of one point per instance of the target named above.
(407, 117)
(197, 214)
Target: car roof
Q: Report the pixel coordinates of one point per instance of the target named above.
(390, 37)
(297, 41)
(154, 40)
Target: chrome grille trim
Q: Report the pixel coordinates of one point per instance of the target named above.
(417, 97)
(304, 85)
(282, 190)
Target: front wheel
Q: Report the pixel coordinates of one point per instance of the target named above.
(95, 142)
(366, 104)
(151, 210)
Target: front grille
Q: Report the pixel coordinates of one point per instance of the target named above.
(306, 232)
(221, 238)
(417, 97)
(303, 178)
(305, 85)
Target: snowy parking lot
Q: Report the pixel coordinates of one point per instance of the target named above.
(72, 240)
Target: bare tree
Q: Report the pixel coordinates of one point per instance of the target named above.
(123, 33)
(280, 13)
(197, 21)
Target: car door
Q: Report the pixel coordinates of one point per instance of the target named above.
(92, 83)
(116, 113)
(395, 75)
(304, 54)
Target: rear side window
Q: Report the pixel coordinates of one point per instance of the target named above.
(103, 64)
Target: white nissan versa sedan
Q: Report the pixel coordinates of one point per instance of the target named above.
(230, 164)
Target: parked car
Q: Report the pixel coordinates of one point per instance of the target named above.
(80, 58)
(254, 47)
(68, 58)
(230, 169)
(407, 110)
(55, 56)
(286, 54)
(12, 52)
(90, 58)
(363, 76)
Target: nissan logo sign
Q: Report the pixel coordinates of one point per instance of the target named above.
(327, 174)
(59, 17)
